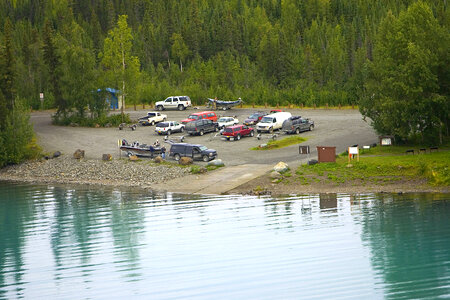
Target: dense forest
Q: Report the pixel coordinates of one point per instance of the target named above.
(387, 56)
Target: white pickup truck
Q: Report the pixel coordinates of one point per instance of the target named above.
(152, 118)
(177, 102)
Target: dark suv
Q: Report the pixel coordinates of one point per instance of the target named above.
(201, 127)
(297, 124)
(196, 152)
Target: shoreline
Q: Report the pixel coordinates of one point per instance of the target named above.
(94, 172)
(147, 175)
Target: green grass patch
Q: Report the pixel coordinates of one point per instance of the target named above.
(392, 150)
(212, 168)
(196, 169)
(276, 144)
(432, 166)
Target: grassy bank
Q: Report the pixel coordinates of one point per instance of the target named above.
(381, 166)
(277, 144)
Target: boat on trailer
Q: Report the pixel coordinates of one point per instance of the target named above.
(142, 150)
(221, 104)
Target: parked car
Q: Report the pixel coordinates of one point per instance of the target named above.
(210, 115)
(177, 102)
(227, 121)
(196, 152)
(169, 127)
(272, 122)
(201, 127)
(297, 124)
(152, 118)
(254, 118)
(273, 111)
(237, 131)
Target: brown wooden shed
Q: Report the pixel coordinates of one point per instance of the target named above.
(326, 154)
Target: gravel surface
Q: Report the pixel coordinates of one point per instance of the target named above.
(333, 127)
(119, 172)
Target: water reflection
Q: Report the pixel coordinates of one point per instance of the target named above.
(127, 226)
(67, 242)
(410, 244)
(328, 202)
(278, 213)
(14, 215)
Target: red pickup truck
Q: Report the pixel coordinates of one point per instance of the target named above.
(237, 131)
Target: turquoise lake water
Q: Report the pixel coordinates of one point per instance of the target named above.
(62, 242)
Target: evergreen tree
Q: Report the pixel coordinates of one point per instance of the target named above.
(52, 59)
(404, 95)
(15, 130)
(7, 79)
(313, 51)
(78, 77)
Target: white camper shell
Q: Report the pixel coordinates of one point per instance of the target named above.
(272, 122)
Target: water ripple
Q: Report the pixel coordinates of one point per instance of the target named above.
(71, 243)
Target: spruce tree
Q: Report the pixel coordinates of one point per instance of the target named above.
(8, 72)
(52, 59)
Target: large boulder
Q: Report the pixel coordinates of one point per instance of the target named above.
(184, 161)
(134, 158)
(56, 154)
(79, 154)
(216, 162)
(275, 175)
(158, 159)
(281, 167)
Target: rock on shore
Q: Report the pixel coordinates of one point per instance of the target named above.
(119, 172)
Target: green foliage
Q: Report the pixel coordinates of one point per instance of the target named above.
(53, 62)
(78, 77)
(386, 168)
(8, 72)
(213, 167)
(120, 68)
(390, 55)
(196, 169)
(405, 92)
(17, 141)
(179, 49)
(102, 121)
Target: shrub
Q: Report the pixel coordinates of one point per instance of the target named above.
(113, 120)
(17, 142)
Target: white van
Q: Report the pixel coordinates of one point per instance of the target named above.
(272, 122)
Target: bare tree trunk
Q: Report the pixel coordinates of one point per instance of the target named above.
(123, 82)
(123, 98)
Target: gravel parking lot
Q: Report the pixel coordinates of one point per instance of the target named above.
(340, 128)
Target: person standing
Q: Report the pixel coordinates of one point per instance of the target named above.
(163, 152)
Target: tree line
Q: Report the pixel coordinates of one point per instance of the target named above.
(302, 52)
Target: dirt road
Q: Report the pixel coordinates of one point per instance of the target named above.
(340, 128)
